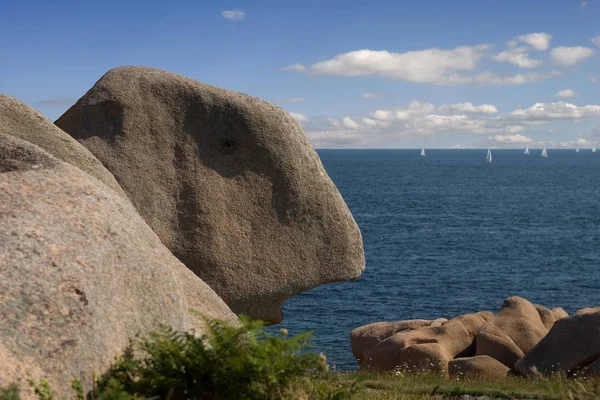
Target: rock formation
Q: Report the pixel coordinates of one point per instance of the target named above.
(81, 272)
(521, 338)
(229, 183)
(19, 120)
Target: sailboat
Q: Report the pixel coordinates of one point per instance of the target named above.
(576, 150)
(593, 149)
(422, 152)
(544, 153)
(488, 157)
(526, 151)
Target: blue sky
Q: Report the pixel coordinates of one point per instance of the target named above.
(354, 73)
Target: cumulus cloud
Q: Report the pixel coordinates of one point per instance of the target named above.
(234, 15)
(469, 107)
(538, 41)
(545, 112)
(584, 3)
(373, 95)
(569, 56)
(349, 123)
(517, 56)
(418, 120)
(593, 79)
(565, 93)
(299, 117)
(511, 139)
(596, 40)
(427, 66)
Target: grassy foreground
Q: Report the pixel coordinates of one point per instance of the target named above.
(247, 363)
(372, 386)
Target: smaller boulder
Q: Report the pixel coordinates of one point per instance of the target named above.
(477, 367)
(571, 344)
(521, 321)
(587, 310)
(364, 338)
(559, 313)
(493, 342)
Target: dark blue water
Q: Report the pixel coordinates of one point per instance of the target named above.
(448, 234)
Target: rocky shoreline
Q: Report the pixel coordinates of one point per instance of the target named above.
(520, 339)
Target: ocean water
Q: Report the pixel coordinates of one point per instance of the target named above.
(448, 234)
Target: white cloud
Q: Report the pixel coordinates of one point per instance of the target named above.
(545, 112)
(512, 139)
(418, 120)
(234, 15)
(593, 78)
(596, 40)
(429, 65)
(469, 107)
(295, 67)
(584, 3)
(349, 123)
(568, 56)
(538, 41)
(565, 93)
(517, 56)
(299, 117)
(289, 100)
(373, 95)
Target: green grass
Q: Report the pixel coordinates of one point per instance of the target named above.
(380, 386)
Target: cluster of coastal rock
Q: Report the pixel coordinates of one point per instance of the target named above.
(154, 194)
(520, 339)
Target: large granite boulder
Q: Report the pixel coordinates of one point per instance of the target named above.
(19, 120)
(81, 272)
(230, 184)
(573, 343)
(363, 339)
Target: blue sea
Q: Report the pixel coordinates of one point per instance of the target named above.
(448, 234)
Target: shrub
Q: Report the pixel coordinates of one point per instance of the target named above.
(225, 363)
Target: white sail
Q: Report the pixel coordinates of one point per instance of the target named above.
(422, 152)
(526, 151)
(488, 157)
(593, 149)
(576, 150)
(544, 153)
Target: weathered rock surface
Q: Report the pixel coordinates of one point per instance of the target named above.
(494, 342)
(365, 338)
(571, 344)
(81, 272)
(521, 321)
(230, 184)
(477, 367)
(428, 348)
(19, 120)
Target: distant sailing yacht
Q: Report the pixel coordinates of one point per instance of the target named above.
(576, 150)
(422, 152)
(488, 157)
(593, 149)
(526, 151)
(544, 153)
